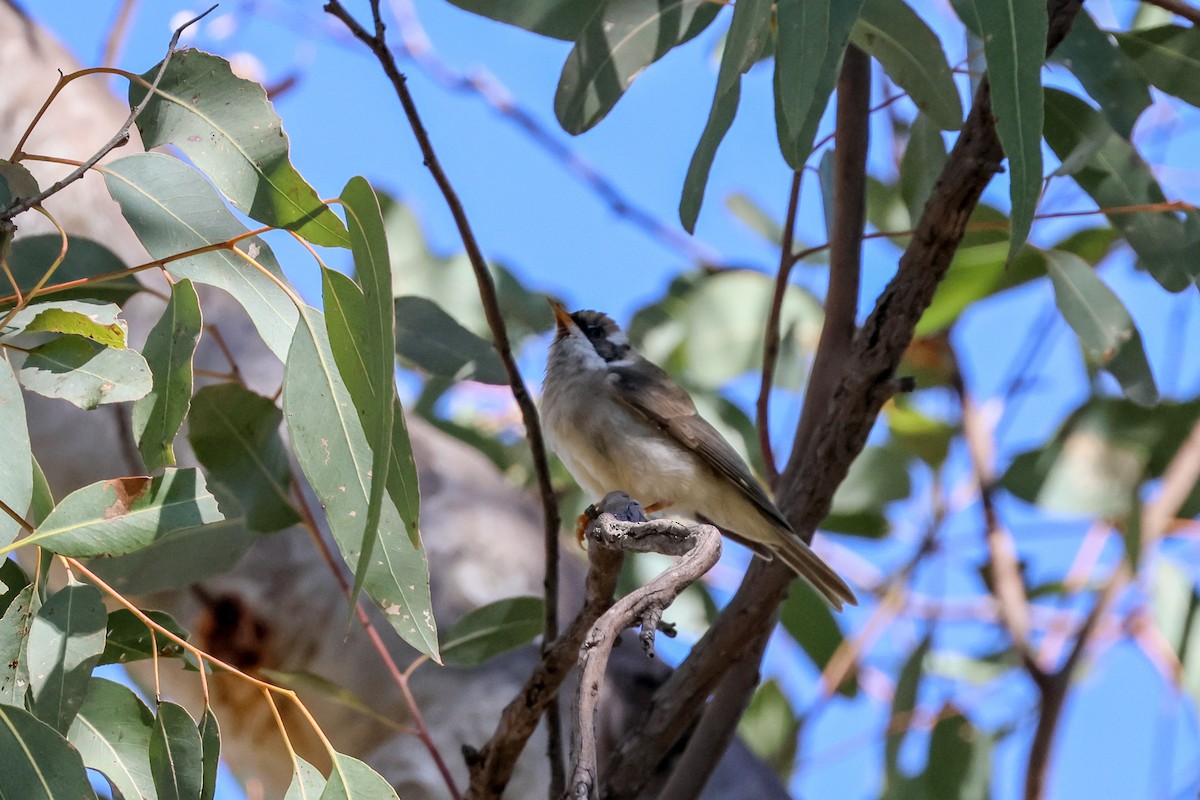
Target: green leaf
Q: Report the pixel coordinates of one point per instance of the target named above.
(14, 633)
(351, 779)
(1174, 603)
(43, 500)
(328, 440)
(112, 734)
(1014, 41)
(90, 319)
(235, 436)
(912, 56)
(375, 329)
(904, 700)
(121, 515)
(13, 581)
(807, 618)
(748, 30)
(1097, 460)
(129, 639)
(1105, 329)
(493, 629)
(754, 217)
(169, 350)
(621, 39)
(558, 19)
(1115, 175)
(431, 340)
(176, 754)
(959, 766)
(173, 209)
(770, 728)
(210, 748)
(924, 157)
(66, 639)
(38, 762)
(307, 782)
(309, 682)
(813, 35)
(1104, 70)
(16, 183)
(709, 328)
(926, 438)
(877, 477)
(225, 125)
(344, 304)
(1169, 57)
(16, 477)
(87, 375)
(32, 256)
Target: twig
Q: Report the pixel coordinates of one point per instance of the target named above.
(700, 546)
(771, 336)
(377, 42)
(1179, 8)
(116, 34)
(492, 765)
(867, 382)
(120, 138)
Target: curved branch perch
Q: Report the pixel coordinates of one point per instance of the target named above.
(700, 546)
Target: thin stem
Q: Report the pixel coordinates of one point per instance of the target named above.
(37, 287)
(1179, 8)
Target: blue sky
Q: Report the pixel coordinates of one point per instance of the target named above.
(559, 237)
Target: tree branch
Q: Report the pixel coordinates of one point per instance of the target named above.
(700, 546)
(1179, 8)
(377, 42)
(866, 383)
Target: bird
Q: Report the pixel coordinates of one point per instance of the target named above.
(618, 422)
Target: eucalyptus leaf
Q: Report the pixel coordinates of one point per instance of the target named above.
(1014, 41)
(809, 621)
(129, 639)
(210, 749)
(90, 319)
(959, 766)
(235, 436)
(878, 476)
(621, 39)
(904, 700)
(16, 476)
(168, 351)
(122, 515)
(493, 629)
(770, 728)
(558, 19)
(430, 339)
(328, 439)
(1169, 57)
(173, 209)
(307, 782)
(16, 183)
(351, 779)
(226, 126)
(112, 734)
(924, 157)
(1105, 71)
(12, 581)
(32, 257)
(14, 638)
(85, 374)
(66, 638)
(176, 754)
(39, 764)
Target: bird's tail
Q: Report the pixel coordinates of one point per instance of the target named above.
(808, 565)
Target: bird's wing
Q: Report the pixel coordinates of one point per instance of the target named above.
(650, 392)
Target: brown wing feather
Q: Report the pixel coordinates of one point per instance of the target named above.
(650, 392)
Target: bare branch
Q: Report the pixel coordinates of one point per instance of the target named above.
(1179, 8)
(700, 546)
(118, 139)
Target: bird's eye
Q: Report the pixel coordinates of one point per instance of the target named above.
(593, 331)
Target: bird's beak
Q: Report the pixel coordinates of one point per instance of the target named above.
(562, 317)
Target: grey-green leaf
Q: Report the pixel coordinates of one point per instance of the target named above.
(14, 639)
(16, 183)
(1104, 327)
(1014, 41)
(227, 127)
(813, 35)
(904, 700)
(32, 256)
(66, 639)
(122, 515)
(959, 766)
(1105, 71)
(621, 39)
(912, 56)
(39, 764)
(431, 340)
(16, 476)
(1115, 175)
(748, 30)
(129, 639)
(89, 319)
(328, 439)
(85, 374)
(924, 157)
(1169, 57)
(558, 19)
(112, 734)
(493, 629)
(808, 619)
(235, 435)
(169, 349)
(210, 748)
(351, 779)
(173, 209)
(176, 754)
(307, 782)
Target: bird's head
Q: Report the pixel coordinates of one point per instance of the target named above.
(590, 337)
